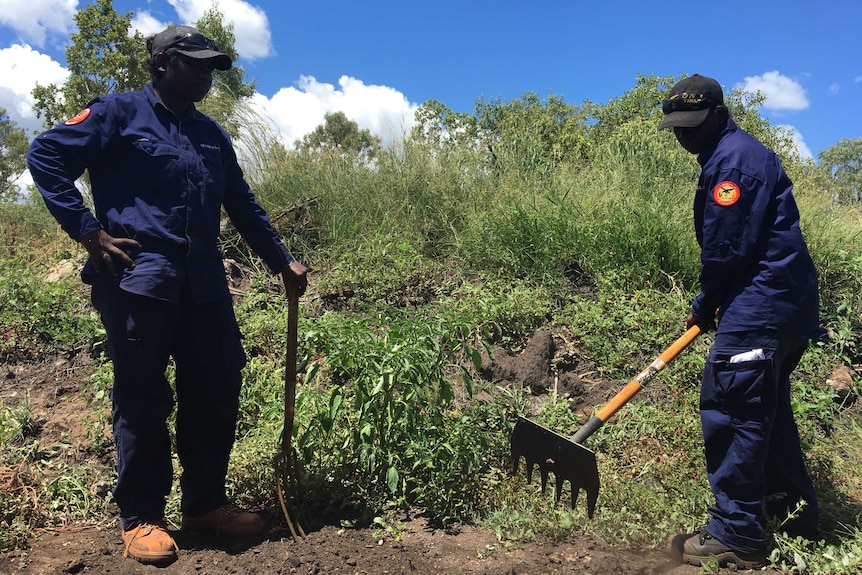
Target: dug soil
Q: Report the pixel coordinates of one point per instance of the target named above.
(59, 407)
(332, 550)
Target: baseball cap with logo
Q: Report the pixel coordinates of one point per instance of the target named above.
(189, 42)
(690, 101)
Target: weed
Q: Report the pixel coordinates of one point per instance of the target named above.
(38, 317)
(388, 526)
(17, 423)
(479, 229)
(709, 566)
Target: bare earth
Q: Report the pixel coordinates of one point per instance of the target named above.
(332, 550)
(53, 387)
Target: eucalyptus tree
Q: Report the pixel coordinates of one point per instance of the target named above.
(843, 163)
(341, 136)
(13, 148)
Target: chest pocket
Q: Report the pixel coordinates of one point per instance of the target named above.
(213, 171)
(156, 163)
(213, 160)
(155, 149)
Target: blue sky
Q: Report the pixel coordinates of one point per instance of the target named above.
(377, 60)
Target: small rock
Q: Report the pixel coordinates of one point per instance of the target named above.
(841, 382)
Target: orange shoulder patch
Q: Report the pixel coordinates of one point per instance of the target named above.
(78, 118)
(726, 193)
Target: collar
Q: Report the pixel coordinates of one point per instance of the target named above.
(154, 100)
(729, 128)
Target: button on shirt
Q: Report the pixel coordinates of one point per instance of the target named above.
(160, 180)
(755, 265)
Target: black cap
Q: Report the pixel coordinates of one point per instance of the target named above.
(690, 101)
(189, 42)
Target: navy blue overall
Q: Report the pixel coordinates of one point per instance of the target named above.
(143, 334)
(162, 181)
(757, 272)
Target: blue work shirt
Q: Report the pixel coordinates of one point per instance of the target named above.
(755, 265)
(160, 180)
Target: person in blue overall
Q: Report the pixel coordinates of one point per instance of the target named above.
(759, 285)
(160, 173)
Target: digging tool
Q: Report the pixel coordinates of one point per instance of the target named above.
(286, 462)
(566, 457)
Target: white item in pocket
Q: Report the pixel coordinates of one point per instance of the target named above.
(752, 355)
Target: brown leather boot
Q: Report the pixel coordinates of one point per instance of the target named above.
(150, 543)
(699, 548)
(225, 521)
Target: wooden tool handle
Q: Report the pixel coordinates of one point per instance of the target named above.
(632, 387)
(290, 364)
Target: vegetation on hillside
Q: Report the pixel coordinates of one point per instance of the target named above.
(475, 231)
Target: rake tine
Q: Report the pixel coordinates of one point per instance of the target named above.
(288, 489)
(290, 525)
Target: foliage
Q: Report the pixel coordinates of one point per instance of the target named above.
(843, 163)
(102, 58)
(38, 317)
(438, 127)
(420, 261)
(13, 150)
(641, 103)
(212, 25)
(338, 135)
(388, 396)
(529, 136)
(30, 234)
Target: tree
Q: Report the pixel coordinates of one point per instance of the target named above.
(340, 136)
(102, 58)
(229, 87)
(437, 125)
(843, 162)
(212, 25)
(13, 150)
(529, 134)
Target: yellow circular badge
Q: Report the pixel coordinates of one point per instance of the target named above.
(726, 193)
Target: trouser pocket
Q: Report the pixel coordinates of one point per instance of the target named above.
(744, 390)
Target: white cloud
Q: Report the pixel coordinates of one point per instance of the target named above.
(33, 20)
(250, 24)
(296, 111)
(146, 24)
(803, 148)
(21, 68)
(835, 87)
(781, 92)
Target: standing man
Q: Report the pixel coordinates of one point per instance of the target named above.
(758, 278)
(160, 173)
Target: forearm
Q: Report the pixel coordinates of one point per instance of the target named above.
(54, 173)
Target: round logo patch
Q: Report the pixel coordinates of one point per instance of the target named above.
(78, 118)
(726, 193)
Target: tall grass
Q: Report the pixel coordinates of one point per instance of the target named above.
(424, 257)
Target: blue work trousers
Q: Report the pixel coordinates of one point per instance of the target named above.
(203, 340)
(753, 455)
